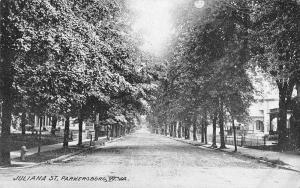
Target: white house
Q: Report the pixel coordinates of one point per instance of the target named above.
(263, 113)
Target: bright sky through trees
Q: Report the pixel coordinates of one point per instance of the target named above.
(154, 22)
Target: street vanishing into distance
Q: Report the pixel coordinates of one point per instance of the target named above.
(143, 159)
(122, 93)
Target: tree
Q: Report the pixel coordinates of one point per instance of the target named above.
(60, 55)
(9, 35)
(207, 64)
(214, 124)
(276, 50)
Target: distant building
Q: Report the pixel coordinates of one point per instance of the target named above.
(263, 117)
(264, 112)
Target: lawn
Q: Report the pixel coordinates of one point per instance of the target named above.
(30, 140)
(47, 155)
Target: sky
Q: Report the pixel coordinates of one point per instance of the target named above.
(153, 22)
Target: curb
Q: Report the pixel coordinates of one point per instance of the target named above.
(65, 157)
(260, 160)
(50, 161)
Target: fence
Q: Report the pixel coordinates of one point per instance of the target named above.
(246, 140)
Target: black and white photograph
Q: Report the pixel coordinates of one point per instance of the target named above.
(150, 93)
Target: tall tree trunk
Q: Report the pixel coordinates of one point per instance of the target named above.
(297, 118)
(112, 130)
(282, 118)
(214, 137)
(205, 127)
(23, 123)
(166, 128)
(96, 132)
(195, 128)
(171, 130)
(234, 135)
(195, 132)
(107, 132)
(66, 132)
(221, 124)
(115, 131)
(285, 94)
(80, 123)
(53, 124)
(175, 130)
(5, 129)
(179, 130)
(205, 132)
(6, 77)
(202, 130)
(118, 130)
(40, 134)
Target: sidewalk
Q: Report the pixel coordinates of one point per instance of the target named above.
(31, 151)
(282, 159)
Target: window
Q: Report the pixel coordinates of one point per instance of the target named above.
(259, 125)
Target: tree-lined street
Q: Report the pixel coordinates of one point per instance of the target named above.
(149, 160)
(147, 77)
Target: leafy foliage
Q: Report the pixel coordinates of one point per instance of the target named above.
(206, 63)
(74, 58)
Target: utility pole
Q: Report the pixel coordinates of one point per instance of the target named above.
(40, 135)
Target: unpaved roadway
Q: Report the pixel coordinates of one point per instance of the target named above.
(147, 160)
